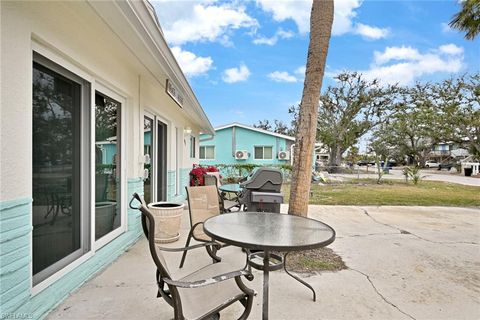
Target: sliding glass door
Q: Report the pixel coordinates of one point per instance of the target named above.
(155, 159)
(161, 160)
(59, 108)
(148, 137)
(107, 164)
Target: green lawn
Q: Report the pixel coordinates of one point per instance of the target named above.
(368, 192)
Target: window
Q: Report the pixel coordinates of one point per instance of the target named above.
(76, 163)
(263, 153)
(207, 152)
(60, 176)
(107, 168)
(192, 147)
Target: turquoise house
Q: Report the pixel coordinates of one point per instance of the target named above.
(238, 143)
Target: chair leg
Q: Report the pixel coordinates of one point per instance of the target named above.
(297, 278)
(247, 302)
(212, 252)
(184, 255)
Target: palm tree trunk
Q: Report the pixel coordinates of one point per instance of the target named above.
(321, 20)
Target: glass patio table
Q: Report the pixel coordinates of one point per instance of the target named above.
(233, 188)
(269, 232)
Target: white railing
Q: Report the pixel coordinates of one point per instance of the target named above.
(474, 165)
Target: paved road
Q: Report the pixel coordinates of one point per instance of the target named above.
(403, 263)
(432, 175)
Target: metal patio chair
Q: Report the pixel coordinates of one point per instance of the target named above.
(203, 203)
(203, 293)
(226, 204)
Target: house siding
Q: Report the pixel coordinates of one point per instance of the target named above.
(15, 259)
(172, 185)
(245, 140)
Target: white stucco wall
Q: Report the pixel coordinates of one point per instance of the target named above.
(74, 36)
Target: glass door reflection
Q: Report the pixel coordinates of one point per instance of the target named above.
(148, 151)
(107, 165)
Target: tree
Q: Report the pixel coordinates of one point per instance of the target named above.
(468, 19)
(353, 154)
(321, 21)
(413, 129)
(263, 124)
(458, 108)
(350, 109)
(278, 127)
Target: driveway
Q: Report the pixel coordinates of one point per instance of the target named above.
(403, 263)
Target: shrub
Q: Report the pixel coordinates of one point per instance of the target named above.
(196, 174)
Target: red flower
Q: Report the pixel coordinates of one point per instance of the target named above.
(196, 174)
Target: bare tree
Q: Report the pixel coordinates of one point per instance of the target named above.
(351, 108)
(321, 21)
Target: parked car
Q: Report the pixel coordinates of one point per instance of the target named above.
(431, 164)
(447, 166)
(365, 163)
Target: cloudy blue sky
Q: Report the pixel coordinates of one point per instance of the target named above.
(246, 59)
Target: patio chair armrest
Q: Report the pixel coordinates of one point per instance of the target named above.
(209, 281)
(200, 245)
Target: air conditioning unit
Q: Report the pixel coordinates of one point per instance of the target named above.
(284, 155)
(241, 154)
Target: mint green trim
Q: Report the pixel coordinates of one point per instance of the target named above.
(171, 185)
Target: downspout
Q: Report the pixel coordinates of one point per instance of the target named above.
(291, 153)
(234, 141)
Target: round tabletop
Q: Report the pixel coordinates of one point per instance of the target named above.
(234, 187)
(269, 231)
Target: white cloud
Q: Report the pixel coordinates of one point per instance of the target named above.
(301, 70)
(188, 21)
(299, 12)
(446, 28)
(344, 15)
(451, 49)
(396, 53)
(233, 75)
(405, 65)
(280, 34)
(282, 76)
(191, 64)
(369, 32)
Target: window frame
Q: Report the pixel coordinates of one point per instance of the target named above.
(263, 152)
(57, 64)
(193, 147)
(205, 152)
(109, 237)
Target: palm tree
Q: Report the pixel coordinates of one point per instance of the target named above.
(321, 21)
(468, 19)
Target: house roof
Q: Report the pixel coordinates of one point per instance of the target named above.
(136, 24)
(244, 126)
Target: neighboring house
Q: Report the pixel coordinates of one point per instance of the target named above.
(448, 151)
(88, 88)
(238, 143)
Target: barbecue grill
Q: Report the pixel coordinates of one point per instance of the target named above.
(261, 191)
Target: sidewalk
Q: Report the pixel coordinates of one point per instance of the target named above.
(428, 174)
(404, 263)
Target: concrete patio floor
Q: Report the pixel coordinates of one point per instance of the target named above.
(403, 263)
